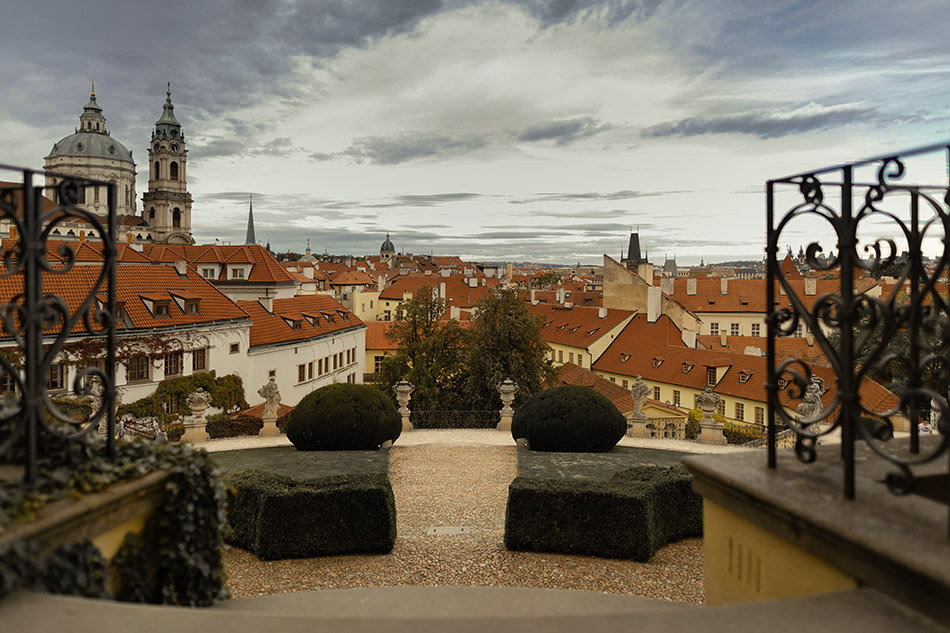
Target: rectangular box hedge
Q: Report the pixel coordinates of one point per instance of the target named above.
(276, 516)
(629, 516)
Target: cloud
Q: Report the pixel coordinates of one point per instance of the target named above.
(776, 123)
(608, 12)
(410, 146)
(563, 132)
(625, 194)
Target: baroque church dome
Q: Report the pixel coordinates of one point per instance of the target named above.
(387, 246)
(92, 140)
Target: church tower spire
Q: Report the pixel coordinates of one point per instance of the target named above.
(250, 239)
(167, 202)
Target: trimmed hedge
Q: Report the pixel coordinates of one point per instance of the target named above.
(278, 517)
(223, 425)
(633, 514)
(569, 419)
(343, 417)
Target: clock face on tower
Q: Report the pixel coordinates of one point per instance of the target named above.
(174, 147)
(158, 146)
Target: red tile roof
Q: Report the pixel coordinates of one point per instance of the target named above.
(577, 326)
(457, 291)
(571, 374)
(273, 328)
(266, 268)
(376, 337)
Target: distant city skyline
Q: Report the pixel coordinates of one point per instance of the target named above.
(512, 130)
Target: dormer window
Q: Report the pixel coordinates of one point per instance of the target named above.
(161, 309)
(745, 375)
(574, 329)
(561, 327)
(687, 367)
(711, 376)
(297, 324)
(657, 361)
(191, 307)
(591, 333)
(782, 383)
(624, 357)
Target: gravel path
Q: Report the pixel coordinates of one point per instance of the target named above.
(450, 486)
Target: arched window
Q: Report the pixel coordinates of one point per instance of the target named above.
(151, 213)
(173, 173)
(176, 218)
(127, 203)
(158, 171)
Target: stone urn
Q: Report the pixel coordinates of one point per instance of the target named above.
(507, 390)
(710, 431)
(403, 390)
(196, 424)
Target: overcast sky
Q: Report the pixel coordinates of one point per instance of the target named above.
(538, 130)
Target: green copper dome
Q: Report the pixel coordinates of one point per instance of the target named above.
(167, 125)
(92, 144)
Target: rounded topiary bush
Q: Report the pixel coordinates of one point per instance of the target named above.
(343, 417)
(569, 419)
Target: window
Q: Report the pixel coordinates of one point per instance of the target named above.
(721, 408)
(235, 348)
(336, 361)
(173, 404)
(157, 172)
(676, 397)
(173, 364)
(570, 357)
(310, 370)
(161, 310)
(734, 329)
(714, 329)
(207, 273)
(560, 356)
(199, 359)
(151, 213)
(7, 383)
(138, 368)
(760, 415)
(378, 363)
(798, 331)
(612, 379)
(656, 394)
(57, 376)
(711, 376)
(173, 171)
(755, 329)
(191, 307)
(271, 373)
(301, 373)
(625, 384)
(176, 218)
(237, 273)
(740, 411)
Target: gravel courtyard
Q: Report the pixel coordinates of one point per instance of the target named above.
(448, 486)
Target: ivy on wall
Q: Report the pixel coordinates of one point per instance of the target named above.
(227, 392)
(177, 558)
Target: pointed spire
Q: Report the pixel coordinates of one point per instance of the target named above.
(93, 92)
(167, 125)
(250, 239)
(91, 119)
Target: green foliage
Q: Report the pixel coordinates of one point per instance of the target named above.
(178, 558)
(278, 517)
(71, 407)
(343, 417)
(227, 392)
(72, 569)
(629, 516)
(430, 356)
(223, 425)
(505, 342)
(692, 422)
(546, 279)
(742, 433)
(569, 419)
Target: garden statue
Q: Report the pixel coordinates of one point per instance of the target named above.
(271, 395)
(161, 437)
(403, 390)
(710, 431)
(507, 389)
(120, 429)
(638, 419)
(810, 406)
(195, 428)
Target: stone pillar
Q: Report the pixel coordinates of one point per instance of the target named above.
(403, 391)
(710, 431)
(271, 396)
(507, 389)
(196, 426)
(638, 419)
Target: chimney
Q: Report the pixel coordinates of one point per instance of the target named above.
(509, 270)
(455, 313)
(724, 286)
(484, 281)
(654, 304)
(568, 304)
(534, 300)
(445, 273)
(82, 236)
(811, 286)
(602, 313)
(473, 282)
(810, 339)
(559, 296)
(442, 291)
(308, 272)
(381, 283)
(722, 338)
(689, 338)
(181, 267)
(752, 350)
(690, 285)
(645, 272)
(667, 285)
(267, 303)
(428, 273)
(12, 232)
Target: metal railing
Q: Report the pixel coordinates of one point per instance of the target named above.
(872, 221)
(36, 323)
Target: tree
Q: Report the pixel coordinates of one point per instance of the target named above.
(505, 342)
(430, 355)
(545, 280)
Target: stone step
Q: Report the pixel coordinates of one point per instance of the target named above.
(863, 610)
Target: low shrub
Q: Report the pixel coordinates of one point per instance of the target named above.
(223, 425)
(174, 431)
(569, 419)
(629, 516)
(742, 433)
(343, 417)
(276, 516)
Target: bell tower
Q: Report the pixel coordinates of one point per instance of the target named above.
(167, 204)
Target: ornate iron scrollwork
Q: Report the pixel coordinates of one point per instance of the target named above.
(857, 331)
(37, 321)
